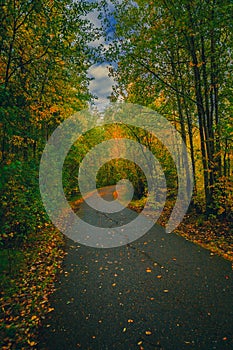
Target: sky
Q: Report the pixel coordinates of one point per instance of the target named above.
(101, 85)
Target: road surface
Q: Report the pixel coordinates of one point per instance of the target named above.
(159, 292)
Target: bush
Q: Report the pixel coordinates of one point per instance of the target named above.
(22, 210)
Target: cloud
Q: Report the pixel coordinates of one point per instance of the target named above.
(101, 85)
(93, 18)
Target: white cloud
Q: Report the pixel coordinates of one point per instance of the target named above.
(93, 18)
(101, 85)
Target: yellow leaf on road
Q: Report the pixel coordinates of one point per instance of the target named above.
(32, 343)
(50, 309)
(34, 318)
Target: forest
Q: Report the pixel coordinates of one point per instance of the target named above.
(174, 57)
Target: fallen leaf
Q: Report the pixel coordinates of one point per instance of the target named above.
(130, 321)
(32, 343)
(148, 269)
(50, 309)
(148, 332)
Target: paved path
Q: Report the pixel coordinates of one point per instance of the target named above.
(160, 292)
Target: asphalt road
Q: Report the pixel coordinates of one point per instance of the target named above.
(159, 292)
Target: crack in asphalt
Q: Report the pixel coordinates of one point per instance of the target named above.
(130, 246)
(147, 255)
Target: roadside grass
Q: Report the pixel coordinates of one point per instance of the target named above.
(11, 261)
(212, 234)
(28, 274)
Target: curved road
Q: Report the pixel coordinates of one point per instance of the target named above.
(159, 292)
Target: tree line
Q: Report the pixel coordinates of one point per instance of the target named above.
(176, 58)
(44, 58)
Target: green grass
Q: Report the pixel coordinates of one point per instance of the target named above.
(11, 261)
(75, 197)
